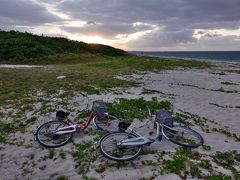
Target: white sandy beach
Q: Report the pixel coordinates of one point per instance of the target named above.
(199, 92)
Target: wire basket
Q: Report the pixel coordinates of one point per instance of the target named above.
(164, 117)
(100, 107)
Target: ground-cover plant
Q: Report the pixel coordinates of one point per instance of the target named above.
(128, 109)
(226, 132)
(84, 155)
(228, 160)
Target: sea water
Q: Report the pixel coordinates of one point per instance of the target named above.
(229, 56)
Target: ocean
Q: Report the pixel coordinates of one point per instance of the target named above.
(229, 56)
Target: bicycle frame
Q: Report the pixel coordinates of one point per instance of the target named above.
(142, 140)
(77, 126)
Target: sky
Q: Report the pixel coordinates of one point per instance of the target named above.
(146, 25)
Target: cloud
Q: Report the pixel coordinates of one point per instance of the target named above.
(131, 24)
(23, 12)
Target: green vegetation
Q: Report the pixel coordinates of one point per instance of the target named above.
(218, 177)
(229, 160)
(18, 47)
(206, 147)
(62, 178)
(84, 155)
(226, 132)
(128, 109)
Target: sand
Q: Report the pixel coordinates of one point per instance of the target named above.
(200, 92)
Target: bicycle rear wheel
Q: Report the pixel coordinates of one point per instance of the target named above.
(184, 136)
(47, 137)
(109, 124)
(110, 149)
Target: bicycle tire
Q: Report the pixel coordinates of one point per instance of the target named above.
(49, 123)
(110, 126)
(187, 142)
(139, 149)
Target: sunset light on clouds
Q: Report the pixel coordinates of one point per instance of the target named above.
(131, 25)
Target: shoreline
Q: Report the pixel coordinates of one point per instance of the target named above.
(185, 58)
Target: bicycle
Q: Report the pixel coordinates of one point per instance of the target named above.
(126, 146)
(56, 133)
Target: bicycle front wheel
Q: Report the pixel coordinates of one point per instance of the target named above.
(184, 136)
(110, 149)
(47, 137)
(109, 124)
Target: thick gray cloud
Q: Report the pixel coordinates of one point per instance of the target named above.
(24, 12)
(176, 20)
(178, 17)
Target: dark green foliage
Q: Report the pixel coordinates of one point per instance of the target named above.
(206, 147)
(128, 109)
(176, 165)
(62, 178)
(19, 46)
(206, 164)
(6, 127)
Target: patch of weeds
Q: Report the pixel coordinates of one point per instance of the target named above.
(183, 118)
(5, 128)
(188, 152)
(195, 171)
(206, 164)
(96, 133)
(62, 178)
(228, 160)
(176, 165)
(62, 154)
(51, 153)
(227, 133)
(228, 83)
(206, 147)
(42, 167)
(189, 119)
(84, 155)
(148, 162)
(219, 177)
(128, 109)
(183, 163)
(159, 156)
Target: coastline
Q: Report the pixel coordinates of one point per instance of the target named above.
(139, 53)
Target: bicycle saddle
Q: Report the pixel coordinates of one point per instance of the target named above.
(61, 115)
(122, 126)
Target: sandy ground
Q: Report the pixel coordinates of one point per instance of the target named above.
(193, 91)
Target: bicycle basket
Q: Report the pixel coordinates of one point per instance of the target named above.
(100, 107)
(164, 117)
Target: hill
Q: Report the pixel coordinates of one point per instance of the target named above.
(17, 46)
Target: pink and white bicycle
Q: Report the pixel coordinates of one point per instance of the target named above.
(56, 133)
